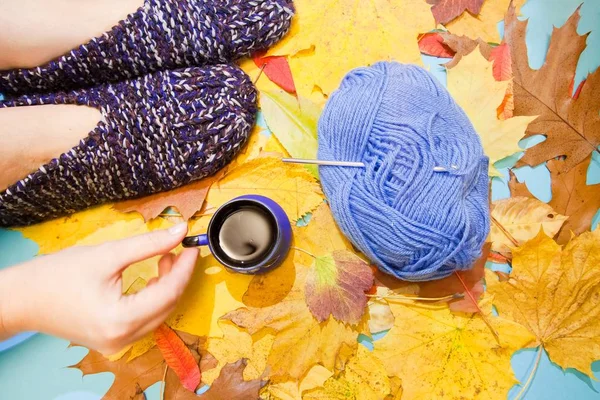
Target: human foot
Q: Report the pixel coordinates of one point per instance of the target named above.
(157, 133)
(161, 35)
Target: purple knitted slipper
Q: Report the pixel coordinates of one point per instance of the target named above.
(161, 35)
(157, 133)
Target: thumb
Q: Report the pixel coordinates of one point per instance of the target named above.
(137, 248)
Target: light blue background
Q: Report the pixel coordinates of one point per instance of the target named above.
(37, 369)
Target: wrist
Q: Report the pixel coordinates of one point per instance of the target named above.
(14, 313)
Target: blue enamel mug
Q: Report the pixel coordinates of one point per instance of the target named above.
(249, 234)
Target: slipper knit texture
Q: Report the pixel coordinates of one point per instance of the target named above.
(157, 133)
(161, 35)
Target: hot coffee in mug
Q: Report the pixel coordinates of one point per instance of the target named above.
(249, 234)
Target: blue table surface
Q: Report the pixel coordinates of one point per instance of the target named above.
(37, 368)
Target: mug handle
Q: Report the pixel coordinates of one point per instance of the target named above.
(195, 241)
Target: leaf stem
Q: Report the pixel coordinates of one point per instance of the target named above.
(262, 68)
(504, 231)
(411, 298)
(536, 364)
(487, 322)
(303, 251)
(163, 383)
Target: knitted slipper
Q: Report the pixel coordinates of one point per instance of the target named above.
(161, 35)
(157, 133)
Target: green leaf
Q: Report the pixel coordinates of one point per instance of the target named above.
(293, 121)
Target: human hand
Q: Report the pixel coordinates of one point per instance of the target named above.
(76, 294)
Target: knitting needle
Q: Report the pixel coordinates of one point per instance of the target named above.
(324, 162)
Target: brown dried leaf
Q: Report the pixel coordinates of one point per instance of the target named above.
(133, 377)
(187, 200)
(571, 126)
(230, 385)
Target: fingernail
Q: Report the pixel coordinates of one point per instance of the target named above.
(178, 229)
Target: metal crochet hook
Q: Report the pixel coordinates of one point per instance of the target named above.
(353, 164)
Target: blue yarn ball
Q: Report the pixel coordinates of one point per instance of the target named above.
(412, 221)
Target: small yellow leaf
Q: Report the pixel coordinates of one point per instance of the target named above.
(555, 293)
(522, 218)
(440, 354)
(381, 317)
(474, 88)
(292, 186)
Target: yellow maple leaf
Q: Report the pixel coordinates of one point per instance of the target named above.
(363, 378)
(440, 354)
(555, 293)
(474, 88)
(234, 345)
(292, 186)
(485, 24)
(521, 218)
(329, 38)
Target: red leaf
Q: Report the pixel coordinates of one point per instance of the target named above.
(278, 70)
(502, 68)
(432, 44)
(178, 357)
(445, 11)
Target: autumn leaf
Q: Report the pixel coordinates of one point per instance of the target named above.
(231, 385)
(336, 285)
(143, 371)
(212, 292)
(236, 344)
(555, 293)
(484, 25)
(445, 11)
(292, 186)
(294, 122)
(57, 234)
(474, 88)
(520, 219)
(178, 357)
(290, 389)
(432, 44)
(363, 378)
(301, 341)
(571, 126)
(187, 200)
(437, 353)
(372, 30)
(277, 69)
(571, 196)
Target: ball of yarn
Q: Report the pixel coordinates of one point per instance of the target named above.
(419, 209)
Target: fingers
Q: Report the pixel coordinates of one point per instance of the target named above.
(161, 297)
(138, 248)
(165, 264)
(164, 267)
